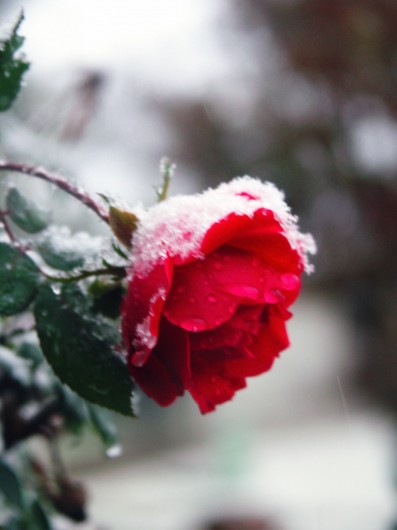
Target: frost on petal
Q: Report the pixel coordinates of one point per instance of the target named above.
(176, 228)
(142, 309)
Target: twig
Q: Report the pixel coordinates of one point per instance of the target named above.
(58, 181)
(109, 271)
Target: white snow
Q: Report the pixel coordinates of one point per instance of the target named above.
(177, 226)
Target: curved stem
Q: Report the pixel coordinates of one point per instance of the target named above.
(58, 181)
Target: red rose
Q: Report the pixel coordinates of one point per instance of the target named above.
(211, 280)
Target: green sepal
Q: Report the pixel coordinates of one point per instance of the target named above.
(123, 224)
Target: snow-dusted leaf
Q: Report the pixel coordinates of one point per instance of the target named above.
(64, 251)
(25, 213)
(80, 348)
(19, 280)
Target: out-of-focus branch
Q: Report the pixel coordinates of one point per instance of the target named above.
(60, 182)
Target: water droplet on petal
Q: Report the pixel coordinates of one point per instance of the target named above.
(193, 324)
(273, 297)
(212, 299)
(290, 281)
(245, 291)
(192, 300)
(218, 266)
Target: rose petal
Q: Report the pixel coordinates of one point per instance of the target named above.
(142, 308)
(271, 339)
(238, 332)
(194, 303)
(166, 373)
(210, 385)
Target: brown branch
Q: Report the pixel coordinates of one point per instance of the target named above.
(58, 181)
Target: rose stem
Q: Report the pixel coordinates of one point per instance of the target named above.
(58, 181)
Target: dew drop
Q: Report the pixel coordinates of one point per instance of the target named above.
(290, 281)
(212, 299)
(246, 291)
(193, 324)
(273, 297)
(115, 451)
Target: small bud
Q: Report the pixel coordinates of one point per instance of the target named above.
(123, 223)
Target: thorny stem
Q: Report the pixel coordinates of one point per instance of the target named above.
(58, 181)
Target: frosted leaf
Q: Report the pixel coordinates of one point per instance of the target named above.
(63, 241)
(177, 226)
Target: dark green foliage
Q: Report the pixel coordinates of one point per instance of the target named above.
(107, 297)
(80, 348)
(104, 426)
(12, 67)
(19, 279)
(38, 517)
(11, 488)
(32, 353)
(25, 213)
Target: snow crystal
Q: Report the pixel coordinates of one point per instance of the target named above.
(63, 241)
(177, 226)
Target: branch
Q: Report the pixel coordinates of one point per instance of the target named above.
(58, 181)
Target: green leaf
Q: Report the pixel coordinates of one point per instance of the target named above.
(19, 280)
(79, 347)
(11, 487)
(38, 518)
(24, 213)
(74, 409)
(12, 68)
(103, 424)
(58, 254)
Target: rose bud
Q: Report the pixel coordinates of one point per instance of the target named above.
(210, 283)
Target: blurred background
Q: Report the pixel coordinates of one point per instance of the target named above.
(298, 92)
